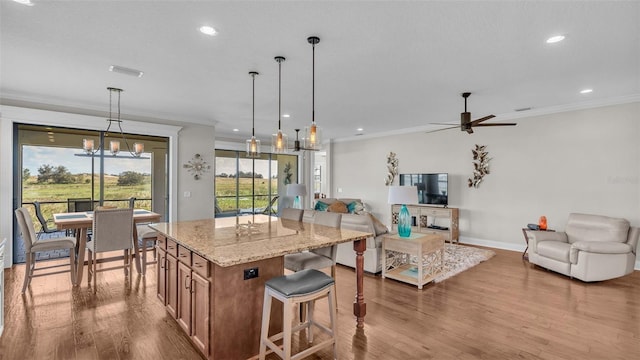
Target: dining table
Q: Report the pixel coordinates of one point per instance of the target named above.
(83, 220)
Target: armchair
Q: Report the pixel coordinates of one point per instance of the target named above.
(592, 248)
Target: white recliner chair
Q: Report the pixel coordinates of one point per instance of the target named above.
(592, 248)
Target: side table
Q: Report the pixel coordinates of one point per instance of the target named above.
(416, 259)
(525, 256)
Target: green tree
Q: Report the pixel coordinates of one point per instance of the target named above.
(26, 174)
(130, 178)
(61, 175)
(45, 172)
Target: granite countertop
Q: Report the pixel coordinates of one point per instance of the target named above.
(224, 243)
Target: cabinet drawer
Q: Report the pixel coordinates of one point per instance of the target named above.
(442, 213)
(172, 248)
(200, 265)
(162, 242)
(184, 255)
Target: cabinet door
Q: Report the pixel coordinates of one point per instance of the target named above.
(172, 285)
(200, 300)
(184, 297)
(161, 273)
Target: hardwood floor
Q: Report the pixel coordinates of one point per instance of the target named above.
(500, 309)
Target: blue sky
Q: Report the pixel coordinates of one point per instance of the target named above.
(36, 156)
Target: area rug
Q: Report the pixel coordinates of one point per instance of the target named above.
(458, 258)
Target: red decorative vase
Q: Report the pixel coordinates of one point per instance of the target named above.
(542, 223)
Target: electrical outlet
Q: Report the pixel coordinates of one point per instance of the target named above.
(250, 273)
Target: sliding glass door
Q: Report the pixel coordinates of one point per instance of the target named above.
(54, 172)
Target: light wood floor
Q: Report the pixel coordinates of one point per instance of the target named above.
(500, 309)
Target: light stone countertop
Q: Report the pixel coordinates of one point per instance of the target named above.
(221, 242)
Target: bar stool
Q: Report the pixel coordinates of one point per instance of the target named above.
(305, 286)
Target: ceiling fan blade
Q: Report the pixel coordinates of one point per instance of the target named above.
(477, 121)
(498, 124)
(447, 128)
(450, 124)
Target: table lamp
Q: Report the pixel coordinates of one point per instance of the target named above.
(296, 190)
(403, 195)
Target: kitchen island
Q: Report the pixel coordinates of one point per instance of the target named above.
(211, 275)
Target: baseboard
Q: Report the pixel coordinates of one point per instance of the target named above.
(505, 246)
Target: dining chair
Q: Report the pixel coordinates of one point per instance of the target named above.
(44, 224)
(317, 258)
(146, 237)
(33, 245)
(112, 231)
(292, 214)
(79, 204)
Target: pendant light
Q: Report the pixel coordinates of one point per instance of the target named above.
(312, 133)
(279, 141)
(253, 145)
(88, 145)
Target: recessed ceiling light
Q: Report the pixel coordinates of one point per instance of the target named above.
(236, 130)
(24, 2)
(208, 30)
(586, 91)
(126, 71)
(286, 115)
(359, 129)
(555, 39)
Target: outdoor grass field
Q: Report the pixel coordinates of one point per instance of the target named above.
(226, 193)
(59, 193)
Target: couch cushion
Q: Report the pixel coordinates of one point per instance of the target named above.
(584, 227)
(378, 226)
(554, 250)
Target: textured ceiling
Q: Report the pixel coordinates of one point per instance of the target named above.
(383, 66)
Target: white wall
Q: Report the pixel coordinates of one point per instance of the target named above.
(199, 204)
(579, 161)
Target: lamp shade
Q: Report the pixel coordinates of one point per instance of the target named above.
(296, 190)
(403, 195)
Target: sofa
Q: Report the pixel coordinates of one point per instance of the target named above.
(592, 248)
(359, 220)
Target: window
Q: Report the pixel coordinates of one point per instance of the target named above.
(251, 186)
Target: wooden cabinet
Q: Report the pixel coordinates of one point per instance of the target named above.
(194, 298)
(430, 220)
(167, 273)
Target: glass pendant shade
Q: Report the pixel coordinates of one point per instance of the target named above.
(311, 137)
(279, 142)
(253, 147)
(114, 147)
(138, 148)
(88, 146)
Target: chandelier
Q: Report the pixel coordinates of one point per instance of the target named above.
(88, 145)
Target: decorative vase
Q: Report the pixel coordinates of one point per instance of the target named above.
(542, 222)
(404, 222)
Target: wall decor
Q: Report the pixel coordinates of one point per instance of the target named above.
(480, 165)
(196, 166)
(392, 167)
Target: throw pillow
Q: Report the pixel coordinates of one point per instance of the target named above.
(338, 207)
(355, 207)
(378, 226)
(320, 206)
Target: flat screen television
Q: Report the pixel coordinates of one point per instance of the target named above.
(433, 189)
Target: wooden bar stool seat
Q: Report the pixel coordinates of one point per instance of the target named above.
(302, 287)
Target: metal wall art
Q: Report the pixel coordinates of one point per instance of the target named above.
(480, 165)
(196, 166)
(392, 167)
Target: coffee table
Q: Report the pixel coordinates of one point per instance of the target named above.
(416, 259)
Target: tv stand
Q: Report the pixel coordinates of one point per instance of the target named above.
(425, 220)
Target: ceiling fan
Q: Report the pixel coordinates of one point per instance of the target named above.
(297, 146)
(466, 124)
